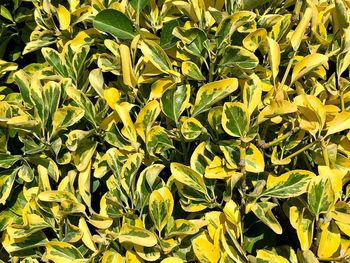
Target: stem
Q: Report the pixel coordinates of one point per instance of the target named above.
(279, 139)
(342, 101)
(325, 153)
(308, 146)
(183, 144)
(242, 156)
(286, 73)
(60, 231)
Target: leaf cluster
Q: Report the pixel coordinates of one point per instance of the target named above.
(175, 131)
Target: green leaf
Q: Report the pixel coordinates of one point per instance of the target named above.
(320, 195)
(105, 21)
(66, 117)
(137, 236)
(213, 92)
(263, 211)
(235, 56)
(138, 5)
(7, 179)
(158, 140)
(175, 100)
(235, 119)
(55, 60)
(154, 53)
(191, 128)
(64, 252)
(83, 102)
(307, 64)
(192, 71)
(7, 160)
(161, 205)
(167, 39)
(189, 177)
(289, 184)
(146, 118)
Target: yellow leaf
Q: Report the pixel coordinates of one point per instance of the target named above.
(128, 73)
(274, 56)
(87, 238)
(161, 205)
(307, 64)
(64, 17)
(112, 96)
(172, 260)
(205, 251)
(299, 32)
(329, 240)
(340, 123)
(269, 256)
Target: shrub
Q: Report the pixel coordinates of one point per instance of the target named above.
(175, 131)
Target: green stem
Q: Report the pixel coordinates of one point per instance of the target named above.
(183, 144)
(60, 231)
(286, 73)
(242, 156)
(325, 153)
(279, 139)
(299, 151)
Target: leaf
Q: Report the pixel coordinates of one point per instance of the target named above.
(191, 128)
(97, 81)
(299, 32)
(167, 39)
(137, 236)
(87, 237)
(254, 160)
(7, 179)
(22, 246)
(146, 118)
(192, 71)
(129, 127)
(112, 96)
(54, 59)
(23, 82)
(64, 17)
(7, 160)
(154, 53)
(213, 92)
(205, 251)
(235, 119)
(340, 123)
(263, 211)
(263, 256)
(255, 39)
(175, 100)
(66, 117)
(320, 195)
(161, 205)
(127, 70)
(229, 25)
(82, 156)
(105, 21)
(172, 260)
(138, 5)
(83, 102)
(274, 56)
(329, 240)
(289, 184)
(307, 64)
(235, 56)
(189, 177)
(181, 227)
(158, 140)
(57, 251)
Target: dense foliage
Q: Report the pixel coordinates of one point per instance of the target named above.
(175, 131)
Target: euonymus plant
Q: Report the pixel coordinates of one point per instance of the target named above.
(209, 131)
